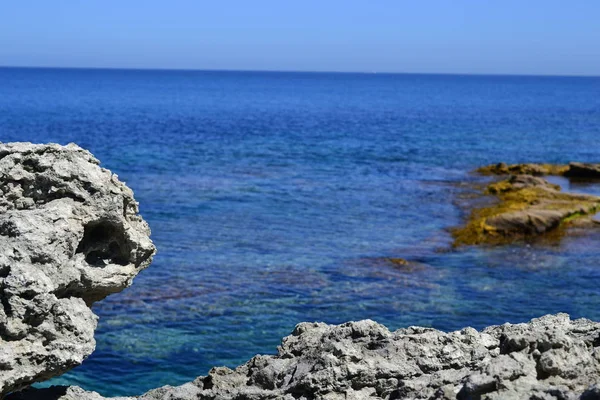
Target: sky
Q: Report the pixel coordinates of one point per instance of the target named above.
(539, 37)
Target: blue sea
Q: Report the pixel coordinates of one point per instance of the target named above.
(274, 198)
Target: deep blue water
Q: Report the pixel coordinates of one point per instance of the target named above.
(271, 197)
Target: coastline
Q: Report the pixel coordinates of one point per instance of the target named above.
(549, 356)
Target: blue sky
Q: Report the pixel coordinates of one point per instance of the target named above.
(429, 36)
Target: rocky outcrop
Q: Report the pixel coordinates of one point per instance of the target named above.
(528, 206)
(574, 170)
(583, 171)
(70, 235)
(523, 169)
(551, 357)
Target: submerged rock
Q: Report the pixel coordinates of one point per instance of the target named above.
(70, 235)
(527, 206)
(551, 357)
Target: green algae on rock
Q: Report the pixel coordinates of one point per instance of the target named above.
(527, 206)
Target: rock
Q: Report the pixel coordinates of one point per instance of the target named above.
(527, 222)
(573, 170)
(528, 206)
(516, 182)
(548, 358)
(397, 263)
(523, 169)
(70, 235)
(583, 171)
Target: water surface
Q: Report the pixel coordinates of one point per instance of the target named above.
(272, 197)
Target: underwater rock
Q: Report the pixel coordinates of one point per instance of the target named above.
(70, 235)
(552, 357)
(528, 206)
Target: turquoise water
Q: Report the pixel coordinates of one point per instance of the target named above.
(273, 197)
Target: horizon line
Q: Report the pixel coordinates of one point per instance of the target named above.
(297, 71)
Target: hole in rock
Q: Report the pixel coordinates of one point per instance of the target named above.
(33, 165)
(104, 243)
(9, 228)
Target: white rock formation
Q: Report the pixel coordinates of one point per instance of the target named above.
(70, 234)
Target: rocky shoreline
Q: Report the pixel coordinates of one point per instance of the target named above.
(70, 234)
(551, 357)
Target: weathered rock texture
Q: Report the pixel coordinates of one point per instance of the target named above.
(70, 234)
(549, 358)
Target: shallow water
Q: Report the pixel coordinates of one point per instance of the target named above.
(273, 197)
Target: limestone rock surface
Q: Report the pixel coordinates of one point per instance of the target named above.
(70, 235)
(552, 357)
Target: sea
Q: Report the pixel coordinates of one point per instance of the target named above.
(280, 197)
